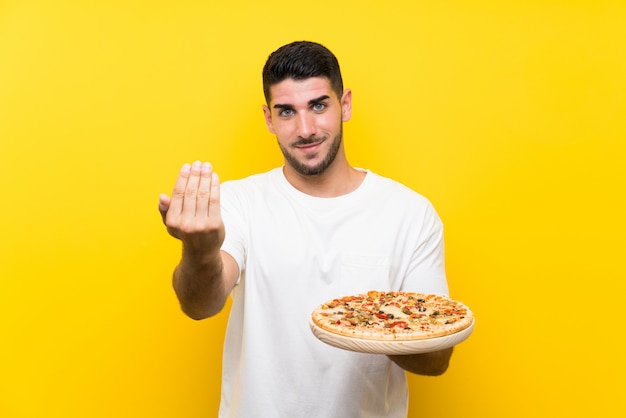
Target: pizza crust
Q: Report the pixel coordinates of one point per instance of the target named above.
(393, 316)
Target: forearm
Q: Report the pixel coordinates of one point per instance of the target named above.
(199, 284)
(428, 364)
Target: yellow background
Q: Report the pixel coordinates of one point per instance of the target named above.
(509, 116)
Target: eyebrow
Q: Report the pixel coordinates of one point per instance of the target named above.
(310, 103)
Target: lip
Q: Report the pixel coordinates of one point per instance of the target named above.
(309, 148)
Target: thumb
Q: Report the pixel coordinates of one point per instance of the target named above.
(164, 204)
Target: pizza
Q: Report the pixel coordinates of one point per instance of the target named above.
(393, 316)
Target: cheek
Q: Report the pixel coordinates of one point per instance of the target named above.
(330, 123)
(283, 130)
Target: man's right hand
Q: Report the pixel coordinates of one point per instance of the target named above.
(193, 214)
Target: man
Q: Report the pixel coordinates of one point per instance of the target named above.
(284, 241)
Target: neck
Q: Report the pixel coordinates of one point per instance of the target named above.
(336, 180)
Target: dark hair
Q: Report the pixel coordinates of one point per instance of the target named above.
(301, 60)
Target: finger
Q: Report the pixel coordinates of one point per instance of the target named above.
(214, 199)
(178, 194)
(204, 190)
(164, 204)
(191, 191)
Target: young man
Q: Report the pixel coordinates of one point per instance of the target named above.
(285, 241)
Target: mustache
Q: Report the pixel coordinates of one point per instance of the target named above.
(308, 141)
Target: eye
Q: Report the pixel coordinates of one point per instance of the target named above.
(318, 107)
(286, 112)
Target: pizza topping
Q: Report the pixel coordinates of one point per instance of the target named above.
(393, 315)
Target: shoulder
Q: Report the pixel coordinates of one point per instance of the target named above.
(255, 182)
(254, 179)
(391, 189)
(402, 203)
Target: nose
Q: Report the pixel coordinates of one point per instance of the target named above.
(305, 126)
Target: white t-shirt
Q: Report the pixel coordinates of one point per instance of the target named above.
(295, 252)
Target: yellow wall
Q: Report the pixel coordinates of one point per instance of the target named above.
(509, 116)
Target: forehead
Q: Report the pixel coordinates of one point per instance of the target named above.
(295, 92)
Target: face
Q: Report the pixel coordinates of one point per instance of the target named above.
(306, 116)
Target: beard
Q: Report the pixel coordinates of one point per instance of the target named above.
(308, 170)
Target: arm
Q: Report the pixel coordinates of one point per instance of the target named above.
(428, 364)
(427, 274)
(205, 275)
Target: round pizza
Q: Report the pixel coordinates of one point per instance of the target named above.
(393, 315)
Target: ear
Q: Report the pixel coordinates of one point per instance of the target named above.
(267, 113)
(346, 105)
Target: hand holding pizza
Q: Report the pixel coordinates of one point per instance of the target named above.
(192, 214)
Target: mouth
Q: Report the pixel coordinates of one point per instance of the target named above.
(308, 145)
